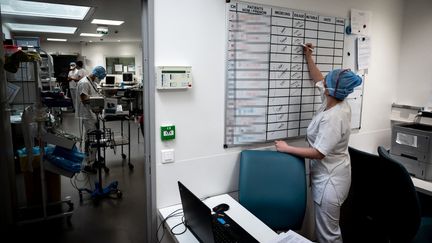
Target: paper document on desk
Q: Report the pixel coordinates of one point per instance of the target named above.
(290, 237)
(119, 108)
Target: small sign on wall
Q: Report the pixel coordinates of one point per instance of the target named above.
(167, 132)
(360, 22)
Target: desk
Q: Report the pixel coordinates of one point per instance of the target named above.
(135, 99)
(423, 186)
(237, 212)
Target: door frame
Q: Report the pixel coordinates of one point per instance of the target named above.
(149, 121)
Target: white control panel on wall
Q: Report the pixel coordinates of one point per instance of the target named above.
(174, 77)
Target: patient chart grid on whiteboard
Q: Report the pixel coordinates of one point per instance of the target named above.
(269, 94)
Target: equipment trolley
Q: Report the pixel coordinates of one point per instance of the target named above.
(100, 139)
(121, 140)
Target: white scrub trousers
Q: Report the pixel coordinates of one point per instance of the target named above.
(89, 125)
(327, 217)
(73, 92)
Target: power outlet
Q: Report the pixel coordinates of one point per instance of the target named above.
(167, 156)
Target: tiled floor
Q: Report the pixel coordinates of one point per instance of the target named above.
(112, 220)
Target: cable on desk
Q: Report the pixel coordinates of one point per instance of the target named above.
(182, 223)
(175, 213)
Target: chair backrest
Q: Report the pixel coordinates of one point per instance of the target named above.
(382, 204)
(273, 187)
(403, 191)
(355, 222)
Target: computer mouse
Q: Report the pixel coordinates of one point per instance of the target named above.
(221, 208)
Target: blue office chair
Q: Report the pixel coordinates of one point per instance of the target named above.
(382, 204)
(421, 225)
(273, 187)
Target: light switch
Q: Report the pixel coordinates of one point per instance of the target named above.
(167, 156)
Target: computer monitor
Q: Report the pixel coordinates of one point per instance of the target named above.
(127, 77)
(109, 80)
(197, 216)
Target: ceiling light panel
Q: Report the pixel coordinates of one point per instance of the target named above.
(55, 39)
(41, 28)
(91, 35)
(48, 10)
(107, 22)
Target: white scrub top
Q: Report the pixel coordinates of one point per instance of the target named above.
(329, 133)
(87, 87)
(76, 74)
(73, 74)
(81, 73)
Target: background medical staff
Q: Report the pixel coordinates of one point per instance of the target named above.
(328, 136)
(87, 87)
(81, 73)
(75, 74)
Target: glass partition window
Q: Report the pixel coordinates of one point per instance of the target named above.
(120, 65)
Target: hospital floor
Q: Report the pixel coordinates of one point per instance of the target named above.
(111, 220)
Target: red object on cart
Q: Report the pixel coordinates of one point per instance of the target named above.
(10, 49)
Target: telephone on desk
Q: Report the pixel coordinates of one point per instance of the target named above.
(425, 112)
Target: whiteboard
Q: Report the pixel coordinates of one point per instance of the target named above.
(269, 94)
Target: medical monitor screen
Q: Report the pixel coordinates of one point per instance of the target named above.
(127, 77)
(109, 80)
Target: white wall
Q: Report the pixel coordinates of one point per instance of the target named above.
(415, 73)
(193, 33)
(6, 32)
(95, 53)
(61, 48)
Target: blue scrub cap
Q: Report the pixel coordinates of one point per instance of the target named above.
(341, 83)
(99, 72)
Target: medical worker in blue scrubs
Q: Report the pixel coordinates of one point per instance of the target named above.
(328, 135)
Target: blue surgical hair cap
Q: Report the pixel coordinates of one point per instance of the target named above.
(341, 83)
(99, 72)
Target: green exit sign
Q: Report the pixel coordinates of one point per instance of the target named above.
(167, 132)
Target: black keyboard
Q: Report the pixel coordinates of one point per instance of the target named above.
(221, 233)
(226, 230)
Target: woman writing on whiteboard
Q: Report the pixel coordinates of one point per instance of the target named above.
(328, 136)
